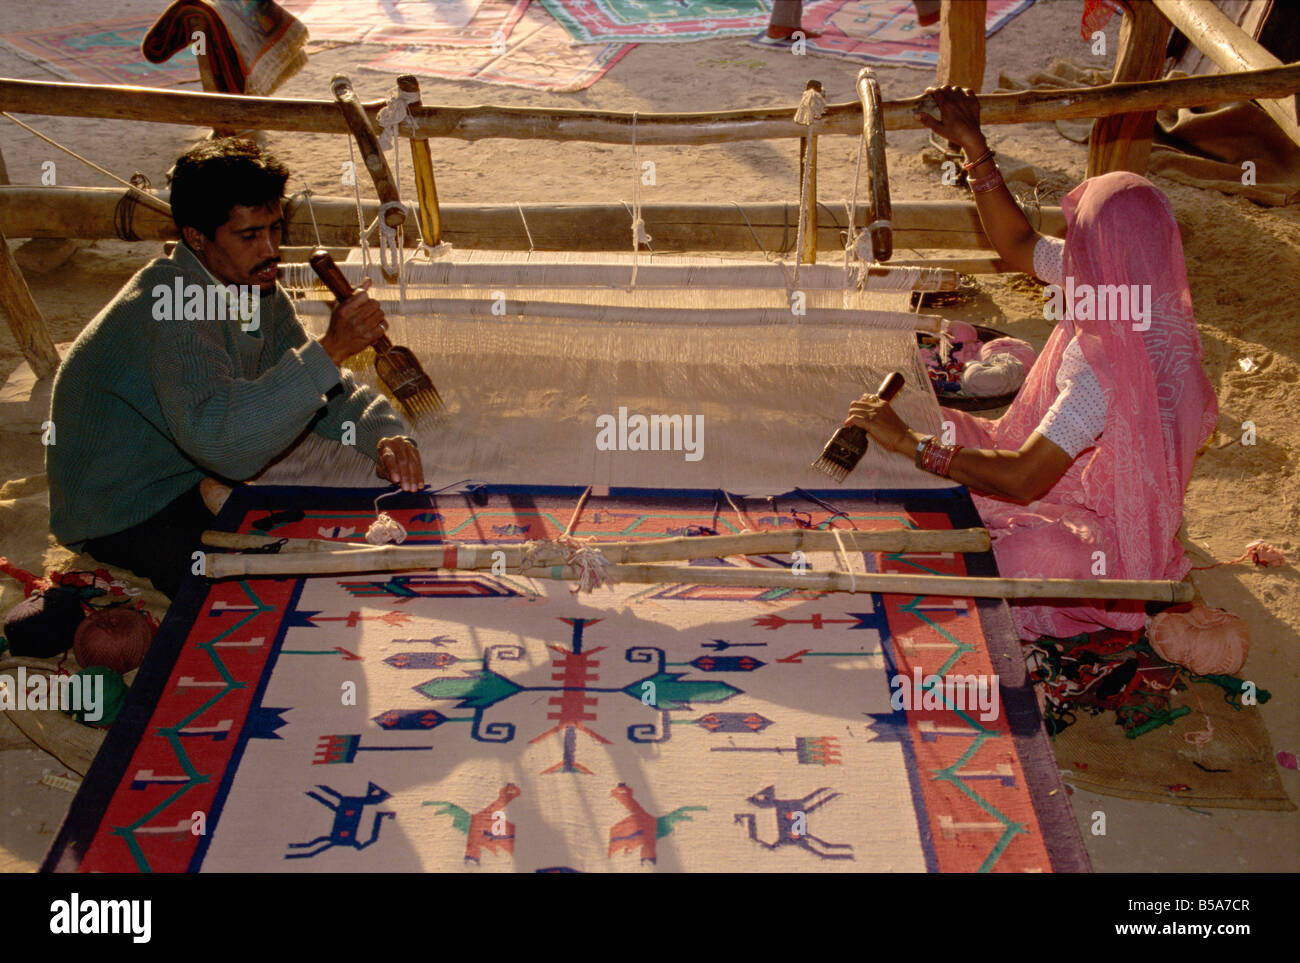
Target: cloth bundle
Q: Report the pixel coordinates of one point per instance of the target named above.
(960, 364)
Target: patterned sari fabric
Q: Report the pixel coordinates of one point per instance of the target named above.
(1115, 512)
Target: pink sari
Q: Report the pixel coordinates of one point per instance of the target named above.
(1116, 511)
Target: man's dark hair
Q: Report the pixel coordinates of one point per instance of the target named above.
(212, 179)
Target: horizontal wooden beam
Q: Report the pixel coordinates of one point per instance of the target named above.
(615, 127)
(92, 212)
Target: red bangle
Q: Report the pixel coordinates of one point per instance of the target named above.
(987, 155)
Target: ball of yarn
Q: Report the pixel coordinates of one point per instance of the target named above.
(1012, 346)
(116, 638)
(43, 625)
(1000, 375)
(1207, 641)
(103, 700)
(385, 529)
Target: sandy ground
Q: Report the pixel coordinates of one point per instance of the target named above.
(1243, 262)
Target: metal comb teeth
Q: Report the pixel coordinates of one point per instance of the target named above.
(843, 452)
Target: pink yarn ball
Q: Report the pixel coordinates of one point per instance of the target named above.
(1207, 641)
(115, 638)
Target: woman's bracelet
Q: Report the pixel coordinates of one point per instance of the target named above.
(989, 182)
(987, 155)
(935, 457)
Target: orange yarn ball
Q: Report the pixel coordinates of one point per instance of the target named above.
(116, 638)
(1207, 641)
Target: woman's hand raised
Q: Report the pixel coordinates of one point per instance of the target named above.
(959, 110)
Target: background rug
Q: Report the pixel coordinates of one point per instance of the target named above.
(1235, 770)
(480, 722)
(102, 53)
(457, 23)
(658, 21)
(537, 55)
(884, 31)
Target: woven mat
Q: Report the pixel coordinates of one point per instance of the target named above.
(883, 31)
(530, 51)
(101, 53)
(1235, 770)
(657, 21)
(500, 724)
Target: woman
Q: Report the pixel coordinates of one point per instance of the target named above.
(1084, 475)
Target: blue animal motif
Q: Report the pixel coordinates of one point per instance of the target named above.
(348, 811)
(791, 818)
(510, 529)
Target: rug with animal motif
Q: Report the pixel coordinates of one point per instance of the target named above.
(479, 721)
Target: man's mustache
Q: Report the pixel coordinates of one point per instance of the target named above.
(266, 264)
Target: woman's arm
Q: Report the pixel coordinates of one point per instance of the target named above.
(1003, 221)
(1021, 476)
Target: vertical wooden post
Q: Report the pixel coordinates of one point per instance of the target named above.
(24, 316)
(426, 187)
(1122, 142)
(961, 43)
(961, 46)
(808, 114)
(4, 171)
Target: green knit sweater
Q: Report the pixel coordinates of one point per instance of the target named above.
(143, 409)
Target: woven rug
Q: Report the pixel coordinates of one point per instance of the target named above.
(883, 31)
(455, 23)
(472, 721)
(658, 21)
(527, 49)
(101, 53)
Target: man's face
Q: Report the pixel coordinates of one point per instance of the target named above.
(246, 249)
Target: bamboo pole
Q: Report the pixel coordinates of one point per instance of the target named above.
(613, 127)
(471, 556)
(426, 188)
(879, 210)
(808, 178)
(88, 212)
(1231, 48)
(25, 320)
(301, 563)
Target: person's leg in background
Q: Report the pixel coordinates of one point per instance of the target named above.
(785, 20)
(161, 547)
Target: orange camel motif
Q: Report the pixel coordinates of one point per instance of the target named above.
(641, 830)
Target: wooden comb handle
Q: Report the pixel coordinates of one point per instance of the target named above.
(888, 389)
(337, 282)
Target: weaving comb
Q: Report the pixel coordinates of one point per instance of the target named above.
(396, 366)
(847, 446)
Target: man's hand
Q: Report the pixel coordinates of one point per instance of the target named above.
(960, 110)
(354, 325)
(881, 423)
(399, 462)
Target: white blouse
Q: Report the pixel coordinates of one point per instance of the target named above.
(1077, 417)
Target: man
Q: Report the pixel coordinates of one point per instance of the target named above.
(199, 370)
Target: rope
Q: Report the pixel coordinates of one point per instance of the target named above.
(639, 235)
(362, 230)
(306, 193)
(847, 560)
(154, 202)
(526, 231)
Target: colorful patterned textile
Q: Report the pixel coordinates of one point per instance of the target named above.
(252, 46)
(657, 21)
(477, 721)
(531, 50)
(101, 53)
(457, 23)
(883, 31)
